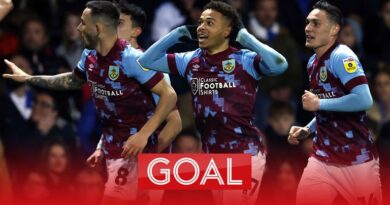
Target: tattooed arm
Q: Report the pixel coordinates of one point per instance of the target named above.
(64, 81)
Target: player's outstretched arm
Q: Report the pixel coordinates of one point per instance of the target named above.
(272, 63)
(64, 81)
(359, 99)
(170, 130)
(155, 57)
(5, 7)
(136, 143)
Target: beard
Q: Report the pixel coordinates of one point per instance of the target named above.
(90, 41)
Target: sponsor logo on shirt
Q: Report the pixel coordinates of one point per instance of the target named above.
(326, 95)
(100, 91)
(350, 65)
(208, 86)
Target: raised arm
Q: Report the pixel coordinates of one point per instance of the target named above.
(5, 7)
(64, 81)
(155, 58)
(271, 63)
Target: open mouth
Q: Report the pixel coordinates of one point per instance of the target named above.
(309, 37)
(202, 37)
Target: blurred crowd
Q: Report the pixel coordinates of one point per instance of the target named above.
(47, 135)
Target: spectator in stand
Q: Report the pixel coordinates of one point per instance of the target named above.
(15, 113)
(377, 32)
(187, 141)
(263, 23)
(35, 47)
(280, 119)
(380, 113)
(55, 164)
(35, 190)
(71, 46)
(171, 14)
(89, 187)
(284, 183)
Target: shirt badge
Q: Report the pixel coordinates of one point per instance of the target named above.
(350, 65)
(323, 74)
(229, 65)
(113, 72)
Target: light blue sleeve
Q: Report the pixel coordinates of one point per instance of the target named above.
(312, 125)
(358, 100)
(250, 62)
(155, 56)
(271, 62)
(181, 61)
(133, 69)
(81, 63)
(346, 66)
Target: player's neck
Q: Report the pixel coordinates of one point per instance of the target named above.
(218, 49)
(322, 50)
(133, 42)
(105, 44)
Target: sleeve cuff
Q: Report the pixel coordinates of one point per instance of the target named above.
(172, 64)
(154, 80)
(256, 65)
(79, 73)
(355, 82)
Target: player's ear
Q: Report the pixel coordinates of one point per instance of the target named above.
(227, 31)
(136, 32)
(98, 29)
(335, 30)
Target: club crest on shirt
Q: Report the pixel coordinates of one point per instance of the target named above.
(350, 65)
(229, 65)
(323, 74)
(113, 72)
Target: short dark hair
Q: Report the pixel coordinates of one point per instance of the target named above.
(138, 16)
(105, 10)
(187, 133)
(35, 20)
(227, 11)
(333, 12)
(52, 94)
(278, 108)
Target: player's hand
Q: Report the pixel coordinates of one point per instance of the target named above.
(239, 32)
(134, 145)
(188, 33)
(297, 133)
(17, 74)
(96, 158)
(310, 101)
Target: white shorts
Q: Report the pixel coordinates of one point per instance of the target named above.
(247, 197)
(357, 184)
(122, 179)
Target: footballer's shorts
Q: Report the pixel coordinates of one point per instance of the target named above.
(247, 197)
(358, 184)
(122, 183)
(122, 179)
